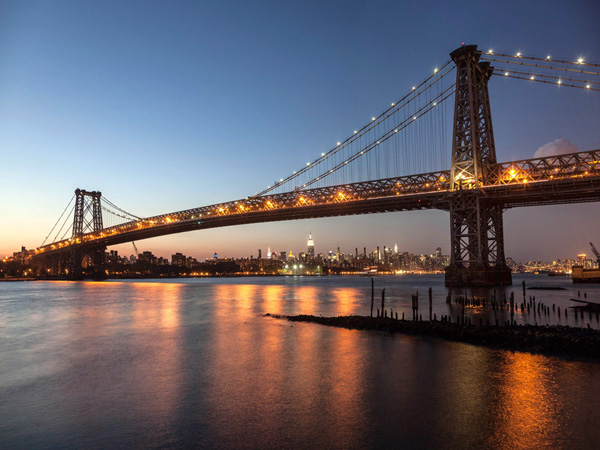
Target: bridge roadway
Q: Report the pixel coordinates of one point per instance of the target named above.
(571, 178)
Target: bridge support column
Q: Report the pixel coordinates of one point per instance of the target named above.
(80, 226)
(477, 238)
(477, 235)
(97, 255)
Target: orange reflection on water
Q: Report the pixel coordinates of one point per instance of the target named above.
(346, 300)
(527, 411)
(272, 297)
(263, 370)
(305, 300)
(347, 376)
(157, 323)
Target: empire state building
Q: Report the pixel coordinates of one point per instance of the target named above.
(310, 248)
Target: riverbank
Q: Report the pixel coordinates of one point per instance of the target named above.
(563, 341)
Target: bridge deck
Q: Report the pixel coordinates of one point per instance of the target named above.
(568, 178)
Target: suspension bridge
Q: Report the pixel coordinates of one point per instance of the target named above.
(431, 149)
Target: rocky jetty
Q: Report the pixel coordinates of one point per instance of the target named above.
(554, 340)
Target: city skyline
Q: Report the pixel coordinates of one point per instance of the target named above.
(162, 137)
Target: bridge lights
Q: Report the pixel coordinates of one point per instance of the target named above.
(518, 54)
(579, 60)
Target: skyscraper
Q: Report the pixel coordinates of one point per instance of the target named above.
(311, 248)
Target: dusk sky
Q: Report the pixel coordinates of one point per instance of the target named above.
(165, 106)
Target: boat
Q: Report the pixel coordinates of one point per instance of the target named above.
(581, 275)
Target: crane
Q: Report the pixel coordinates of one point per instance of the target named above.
(137, 253)
(596, 253)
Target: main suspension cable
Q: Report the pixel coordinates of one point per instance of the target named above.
(120, 209)
(374, 144)
(394, 108)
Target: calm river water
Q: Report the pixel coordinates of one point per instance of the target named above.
(193, 363)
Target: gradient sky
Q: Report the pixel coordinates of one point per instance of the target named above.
(165, 106)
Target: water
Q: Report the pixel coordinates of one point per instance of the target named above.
(182, 363)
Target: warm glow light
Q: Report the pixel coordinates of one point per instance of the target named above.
(580, 61)
(518, 54)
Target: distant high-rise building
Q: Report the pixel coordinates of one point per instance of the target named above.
(259, 253)
(396, 247)
(178, 259)
(268, 252)
(438, 252)
(310, 248)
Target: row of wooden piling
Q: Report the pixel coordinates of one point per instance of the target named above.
(526, 306)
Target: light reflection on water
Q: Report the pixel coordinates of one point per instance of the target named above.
(195, 363)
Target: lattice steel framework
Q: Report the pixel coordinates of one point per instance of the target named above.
(476, 227)
(86, 203)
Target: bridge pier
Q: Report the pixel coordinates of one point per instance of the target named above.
(97, 254)
(476, 224)
(477, 276)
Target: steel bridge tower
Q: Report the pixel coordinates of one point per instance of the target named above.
(82, 225)
(476, 230)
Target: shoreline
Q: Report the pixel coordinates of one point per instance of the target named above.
(551, 340)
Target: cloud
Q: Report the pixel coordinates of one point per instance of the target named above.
(557, 147)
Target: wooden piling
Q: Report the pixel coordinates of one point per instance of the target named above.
(430, 304)
(372, 295)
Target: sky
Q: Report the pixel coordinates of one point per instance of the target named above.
(165, 106)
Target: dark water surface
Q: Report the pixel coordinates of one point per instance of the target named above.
(192, 363)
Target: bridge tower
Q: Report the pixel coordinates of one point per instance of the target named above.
(87, 203)
(477, 237)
